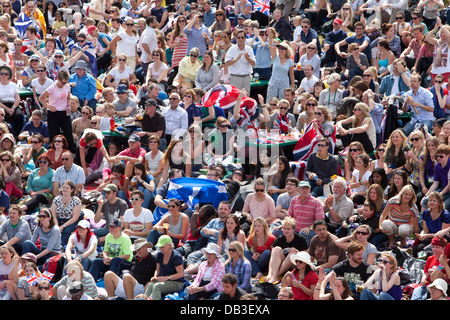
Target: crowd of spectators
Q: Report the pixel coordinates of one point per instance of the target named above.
(107, 98)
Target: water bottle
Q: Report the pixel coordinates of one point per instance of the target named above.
(112, 124)
(256, 77)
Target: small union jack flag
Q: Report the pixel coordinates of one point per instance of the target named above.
(32, 279)
(263, 6)
(46, 276)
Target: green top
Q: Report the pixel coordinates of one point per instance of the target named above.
(118, 247)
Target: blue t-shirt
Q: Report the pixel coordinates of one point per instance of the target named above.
(360, 41)
(262, 55)
(436, 225)
(280, 72)
(102, 36)
(42, 128)
(4, 200)
(170, 268)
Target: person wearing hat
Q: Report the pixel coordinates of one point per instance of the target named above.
(75, 291)
(305, 209)
(438, 289)
(84, 242)
(116, 255)
(131, 155)
(331, 38)
(209, 276)
(109, 207)
(437, 127)
(169, 273)
(125, 106)
(10, 99)
(153, 123)
(133, 283)
(84, 84)
(303, 279)
(29, 73)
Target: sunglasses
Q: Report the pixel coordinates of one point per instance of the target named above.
(311, 104)
(171, 206)
(414, 18)
(441, 156)
(122, 60)
(398, 18)
(437, 81)
(58, 141)
(366, 75)
(43, 216)
(259, 190)
(35, 142)
(322, 145)
(283, 108)
(4, 74)
(187, 96)
(232, 250)
(6, 160)
(43, 161)
(318, 113)
(130, 24)
(415, 139)
(65, 159)
(311, 48)
(362, 232)
(135, 199)
(194, 56)
(382, 150)
(353, 150)
(385, 261)
(44, 288)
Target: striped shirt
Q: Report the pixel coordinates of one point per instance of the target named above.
(90, 287)
(180, 51)
(305, 212)
(400, 217)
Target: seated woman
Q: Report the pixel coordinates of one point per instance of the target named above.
(238, 265)
(361, 234)
(169, 274)
(187, 71)
(195, 146)
(277, 179)
(119, 72)
(413, 156)
(303, 279)
(384, 58)
(362, 128)
(209, 277)
(434, 219)
(80, 124)
(400, 216)
(395, 151)
(398, 181)
(221, 147)
(154, 158)
(385, 281)
(37, 149)
(58, 146)
(230, 232)
(143, 182)
(10, 173)
(82, 245)
(259, 204)
(433, 269)
(284, 247)
(49, 235)
(39, 185)
(360, 179)
(175, 157)
(260, 241)
(174, 224)
(339, 288)
(66, 208)
(379, 157)
(157, 69)
(354, 150)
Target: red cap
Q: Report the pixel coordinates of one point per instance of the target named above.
(90, 29)
(337, 20)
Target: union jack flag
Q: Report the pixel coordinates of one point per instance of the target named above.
(262, 5)
(32, 279)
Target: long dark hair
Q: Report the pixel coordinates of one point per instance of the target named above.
(393, 190)
(236, 229)
(384, 179)
(139, 165)
(287, 170)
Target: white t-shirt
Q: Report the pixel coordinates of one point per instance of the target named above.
(127, 45)
(137, 223)
(80, 249)
(395, 85)
(117, 75)
(7, 92)
(40, 88)
(365, 177)
(153, 164)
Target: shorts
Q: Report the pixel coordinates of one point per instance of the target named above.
(120, 292)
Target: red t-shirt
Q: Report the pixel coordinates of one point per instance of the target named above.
(98, 145)
(310, 279)
(266, 246)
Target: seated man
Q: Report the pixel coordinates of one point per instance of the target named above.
(323, 248)
(399, 76)
(420, 100)
(117, 254)
(359, 38)
(321, 166)
(332, 37)
(338, 205)
(16, 229)
(142, 269)
(133, 154)
(125, 106)
(34, 126)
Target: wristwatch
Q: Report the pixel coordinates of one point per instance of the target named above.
(169, 278)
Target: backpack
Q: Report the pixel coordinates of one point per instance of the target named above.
(55, 265)
(265, 291)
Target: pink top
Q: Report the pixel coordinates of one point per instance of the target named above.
(306, 212)
(58, 96)
(257, 209)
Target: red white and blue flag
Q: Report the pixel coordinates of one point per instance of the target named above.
(307, 144)
(262, 5)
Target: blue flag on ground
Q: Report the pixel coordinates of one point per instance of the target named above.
(193, 191)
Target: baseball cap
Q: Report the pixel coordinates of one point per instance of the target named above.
(304, 184)
(134, 138)
(163, 240)
(116, 222)
(111, 187)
